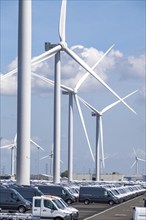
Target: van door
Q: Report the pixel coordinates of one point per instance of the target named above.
(48, 209)
(100, 195)
(4, 200)
(36, 211)
(13, 201)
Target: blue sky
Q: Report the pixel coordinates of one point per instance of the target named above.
(91, 28)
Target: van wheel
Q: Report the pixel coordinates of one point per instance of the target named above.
(69, 201)
(21, 209)
(86, 202)
(111, 202)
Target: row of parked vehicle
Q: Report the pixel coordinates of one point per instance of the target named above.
(111, 195)
(16, 197)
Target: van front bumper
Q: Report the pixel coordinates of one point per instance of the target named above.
(68, 217)
(75, 215)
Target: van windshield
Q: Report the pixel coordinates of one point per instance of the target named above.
(70, 191)
(58, 204)
(115, 192)
(63, 202)
(19, 196)
(39, 192)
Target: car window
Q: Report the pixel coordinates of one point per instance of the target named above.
(63, 192)
(48, 204)
(37, 203)
(14, 196)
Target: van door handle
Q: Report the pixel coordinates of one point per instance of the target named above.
(44, 210)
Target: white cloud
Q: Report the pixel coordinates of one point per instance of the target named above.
(137, 65)
(115, 62)
(5, 142)
(13, 64)
(130, 67)
(9, 85)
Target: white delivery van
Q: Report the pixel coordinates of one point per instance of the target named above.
(42, 207)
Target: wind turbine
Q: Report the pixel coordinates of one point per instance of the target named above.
(99, 130)
(73, 94)
(137, 159)
(13, 147)
(50, 156)
(62, 46)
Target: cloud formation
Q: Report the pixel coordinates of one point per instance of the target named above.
(131, 68)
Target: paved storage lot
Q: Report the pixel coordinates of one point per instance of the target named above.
(98, 211)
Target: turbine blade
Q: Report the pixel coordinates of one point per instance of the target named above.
(6, 146)
(15, 139)
(115, 103)
(87, 68)
(46, 55)
(84, 77)
(133, 164)
(62, 21)
(141, 159)
(45, 157)
(134, 152)
(83, 124)
(38, 146)
(51, 82)
(12, 72)
(101, 138)
(90, 107)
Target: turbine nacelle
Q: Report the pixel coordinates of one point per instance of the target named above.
(96, 114)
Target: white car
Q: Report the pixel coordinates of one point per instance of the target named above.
(139, 213)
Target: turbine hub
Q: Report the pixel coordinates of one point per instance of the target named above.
(75, 91)
(63, 44)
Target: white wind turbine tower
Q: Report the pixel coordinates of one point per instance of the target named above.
(137, 159)
(62, 46)
(38, 147)
(24, 93)
(50, 156)
(99, 131)
(73, 94)
(13, 147)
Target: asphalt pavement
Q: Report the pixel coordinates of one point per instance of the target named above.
(98, 211)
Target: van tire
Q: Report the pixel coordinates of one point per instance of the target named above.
(111, 202)
(69, 201)
(21, 209)
(58, 218)
(86, 202)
